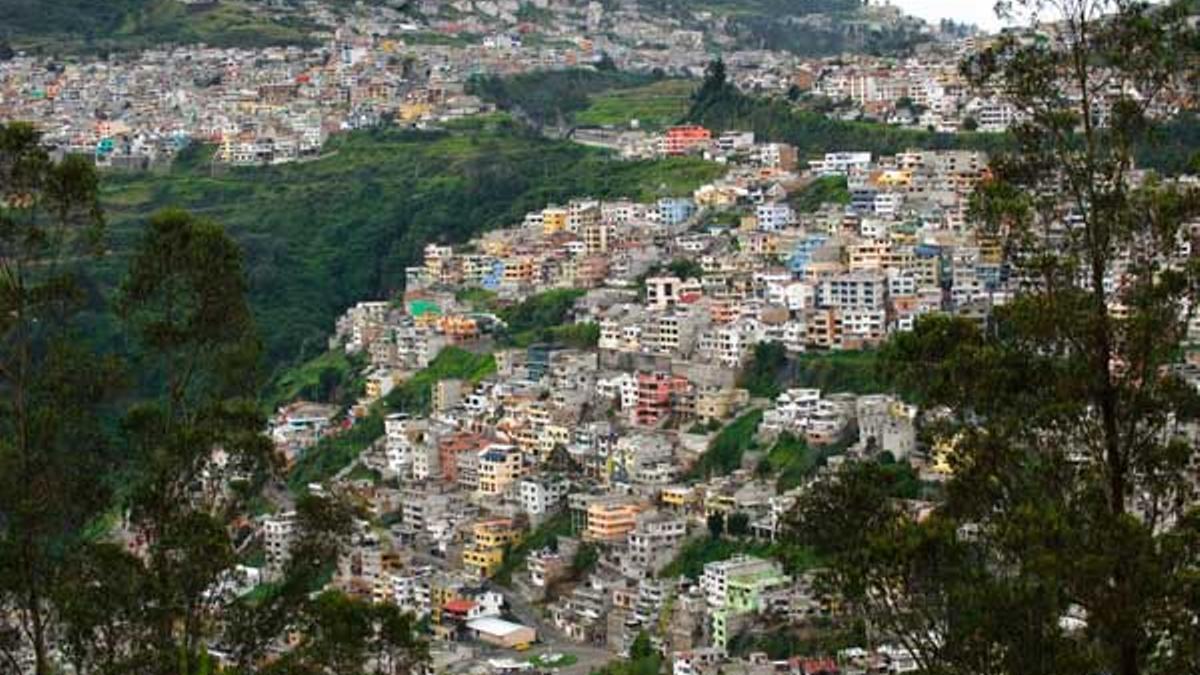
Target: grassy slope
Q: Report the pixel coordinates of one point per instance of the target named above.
(553, 97)
(814, 134)
(322, 235)
(306, 379)
(88, 26)
(724, 454)
(655, 106)
(697, 553)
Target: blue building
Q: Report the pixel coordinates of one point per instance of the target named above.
(538, 360)
(802, 254)
(673, 211)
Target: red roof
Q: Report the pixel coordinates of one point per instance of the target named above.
(459, 606)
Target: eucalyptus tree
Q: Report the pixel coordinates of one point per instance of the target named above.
(1069, 537)
(51, 386)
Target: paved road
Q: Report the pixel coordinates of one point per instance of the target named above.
(550, 640)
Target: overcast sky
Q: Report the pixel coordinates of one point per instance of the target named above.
(978, 12)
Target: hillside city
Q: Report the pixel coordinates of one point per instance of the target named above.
(280, 104)
(626, 428)
(758, 399)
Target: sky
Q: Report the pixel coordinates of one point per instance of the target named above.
(979, 12)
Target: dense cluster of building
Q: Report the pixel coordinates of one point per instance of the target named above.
(604, 444)
(375, 65)
(551, 496)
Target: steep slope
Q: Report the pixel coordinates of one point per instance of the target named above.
(91, 26)
(88, 27)
(322, 235)
(807, 27)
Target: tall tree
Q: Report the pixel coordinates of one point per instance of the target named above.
(51, 384)
(1069, 538)
(185, 300)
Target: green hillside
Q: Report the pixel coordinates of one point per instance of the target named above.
(1172, 149)
(554, 97)
(322, 235)
(91, 26)
(807, 27)
(654, 106)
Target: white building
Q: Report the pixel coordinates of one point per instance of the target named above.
(773, 217)
(715, 580)
(841, 163)
(278, 533)
(542, 495)
(855, 290)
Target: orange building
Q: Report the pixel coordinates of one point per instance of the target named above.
(458, 328)
(609, 521)
(680, 140)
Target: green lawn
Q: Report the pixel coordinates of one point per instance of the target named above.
(655, 106)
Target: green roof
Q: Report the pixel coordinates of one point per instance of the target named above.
(420, 308)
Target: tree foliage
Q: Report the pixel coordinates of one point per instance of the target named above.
(765, 370)
(1069, 537)
(543, 318)
(552, 97)
(1169, 148)
(52, 386)
(141, 578)
(320, 236)
(725, 452)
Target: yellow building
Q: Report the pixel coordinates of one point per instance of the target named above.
(553, 435)
(499, 467)
(458, 327)
(482, 562)
(991, 250)
(895, 178)
(717, 404)
(518, 270)
(440, 594)
(868, 255)
(943, 455)
(485, 555)
(495, 533)
(409, 112)
(497, 248)
(719, 504)
(677, 496)
(554, 219)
